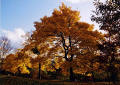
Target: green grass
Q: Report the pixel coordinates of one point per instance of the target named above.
(8, 80)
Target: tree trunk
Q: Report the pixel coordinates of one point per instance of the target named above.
(39, 74)
(93, 79)
(71, 74)
(108, 76)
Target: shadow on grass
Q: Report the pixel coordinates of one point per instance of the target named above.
(25, 81)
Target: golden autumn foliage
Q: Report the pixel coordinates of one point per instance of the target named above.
(59, 41)
(63, 35)
(17, 62)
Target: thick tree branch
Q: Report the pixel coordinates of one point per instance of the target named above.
(64, 46)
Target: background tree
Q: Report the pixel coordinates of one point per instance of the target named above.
(107, 15)
(64, 35)
(17, 63)
(5, 47)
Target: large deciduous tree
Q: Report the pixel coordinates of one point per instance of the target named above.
(107, 15)
(63, 35)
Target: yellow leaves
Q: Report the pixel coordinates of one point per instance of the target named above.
(58, 62)
(24, 70)
(43, 67)
(89, 74)
(51, 64)
(90, 28)
(117, 65)
(13, 62)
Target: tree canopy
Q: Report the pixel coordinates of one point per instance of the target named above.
(62, 35)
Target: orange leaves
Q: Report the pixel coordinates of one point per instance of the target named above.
(96, 65)
(83, 25)
(63, 41)
(60, 21)
(70, 14)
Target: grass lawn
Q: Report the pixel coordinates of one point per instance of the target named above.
(8, 80)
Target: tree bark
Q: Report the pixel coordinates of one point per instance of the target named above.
(39, 74)
(72, 78)
(66, 50)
